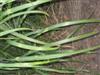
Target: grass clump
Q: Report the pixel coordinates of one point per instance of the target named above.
(16, 34)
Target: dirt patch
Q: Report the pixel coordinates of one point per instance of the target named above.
(64, 10)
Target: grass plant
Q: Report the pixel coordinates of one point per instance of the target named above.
(16, 34)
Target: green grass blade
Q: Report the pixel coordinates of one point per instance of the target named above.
(66, 24)
(75, 38)
(23, 65)
(6, 1)
(24, 6)
(28, 38)
(75, 31)
(55, 55)
(30, 47)
(12, 30)
(53, 70)
(22, 13)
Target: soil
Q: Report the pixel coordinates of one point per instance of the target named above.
(64, 10)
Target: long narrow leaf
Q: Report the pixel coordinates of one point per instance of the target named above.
(23, 65)
(24, 6)
(12, 30)
(28, 38)
(65, 24)
(30, 47)
(56, 55)
(22, 13)
(54, 70)
(75, 38)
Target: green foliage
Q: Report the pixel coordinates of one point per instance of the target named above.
(6, 1)
(34, 53)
